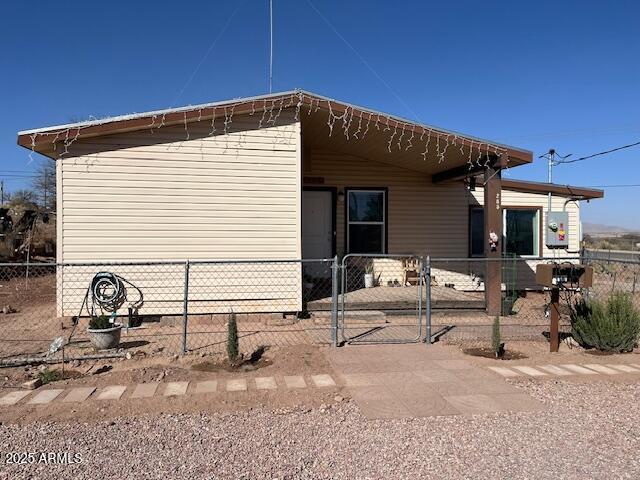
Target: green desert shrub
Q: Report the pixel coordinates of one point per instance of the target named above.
(233, 347)
(611, 326)
(496, 341)
(100, 322)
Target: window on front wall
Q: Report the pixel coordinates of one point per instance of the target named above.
(366, 221)
(476, 231)
(522, 232)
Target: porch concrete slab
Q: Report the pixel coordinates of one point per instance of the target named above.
(505, 372)
(435, 374)
(422, 381)
(208, 386)
(530, 371)
(359, 379)
(555, 370)
(517, 402)
(323, 380)
(430, 405)
(453, 364)
(44, 397)
(144, 390)
(112, 392)
(475, 403)
(602, 369)
(625, 368)
(451, 388)
(12, 398)
(236, 385)
(79, 394)
(295, 381)
(266, 383)
(578, 369)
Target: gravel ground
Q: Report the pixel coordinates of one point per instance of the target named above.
(588, 431)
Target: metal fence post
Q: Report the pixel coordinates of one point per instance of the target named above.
(185, 307)
(427, 286)
(334, 302)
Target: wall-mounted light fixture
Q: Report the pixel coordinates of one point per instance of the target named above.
(341, 196)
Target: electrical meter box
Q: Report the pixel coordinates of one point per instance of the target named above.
(564, 275)
(557, 230)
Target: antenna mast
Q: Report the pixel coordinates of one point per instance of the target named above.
(270, 46)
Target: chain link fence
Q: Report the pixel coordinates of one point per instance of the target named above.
(176, 307)
(163, 307)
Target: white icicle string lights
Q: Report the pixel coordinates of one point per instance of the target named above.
(355, 124)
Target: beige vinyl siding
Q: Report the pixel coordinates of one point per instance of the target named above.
(180, 193)
(422, 218)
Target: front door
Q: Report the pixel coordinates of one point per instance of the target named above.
(317, 225)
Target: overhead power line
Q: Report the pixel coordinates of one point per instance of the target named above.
(606, 152)
(628, 185)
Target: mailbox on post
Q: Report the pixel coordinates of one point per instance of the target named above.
(556, 276)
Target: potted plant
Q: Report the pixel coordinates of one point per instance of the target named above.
(104, 332)
(368, 276)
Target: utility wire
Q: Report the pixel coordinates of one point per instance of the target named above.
(574, 160)
(362, 59)
(628, 185)
(206, 55)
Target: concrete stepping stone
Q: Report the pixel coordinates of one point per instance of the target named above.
(625, 368)
(266, 383)
(45, 396)
(530, 371)
(144, 390)
(505, 372)
(112, 392)
(578, 369)
(555, 370)
(295, 381)
(209, 386)
(323, 380)
(175, 389)
(14, 397)
(79, 394)
(236, 385)
(602, 369)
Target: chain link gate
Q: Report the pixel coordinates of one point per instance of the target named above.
(382, 298)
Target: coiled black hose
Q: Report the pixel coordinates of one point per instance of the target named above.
(106, 293)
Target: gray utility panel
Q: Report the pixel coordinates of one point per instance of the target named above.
(557, 230)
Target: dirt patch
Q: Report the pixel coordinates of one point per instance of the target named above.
(255, 361)
(489, 353)
(599, 353)
(277, 362)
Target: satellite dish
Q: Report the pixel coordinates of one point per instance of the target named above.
(56, 345)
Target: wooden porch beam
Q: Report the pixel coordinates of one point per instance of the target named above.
(493, 228)
(463, 171)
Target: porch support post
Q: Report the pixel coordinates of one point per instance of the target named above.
(493, 224)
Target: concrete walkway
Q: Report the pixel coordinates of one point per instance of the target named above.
(393, 381)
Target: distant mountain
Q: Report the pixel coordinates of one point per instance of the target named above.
(598, 228)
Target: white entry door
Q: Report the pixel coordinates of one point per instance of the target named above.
(317, 224)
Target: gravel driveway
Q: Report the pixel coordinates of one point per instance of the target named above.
(589, 431)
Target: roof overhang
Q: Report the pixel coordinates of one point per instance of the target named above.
(467, 153)
(569, 191)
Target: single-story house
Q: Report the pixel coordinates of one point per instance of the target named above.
(285, 176)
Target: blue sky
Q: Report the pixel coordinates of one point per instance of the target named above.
(561, 74)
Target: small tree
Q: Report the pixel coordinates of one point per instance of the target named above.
(497, 346)
(233, 347)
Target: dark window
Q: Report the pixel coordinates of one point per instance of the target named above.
(366, 217)
(522, 232)
(476, 232)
